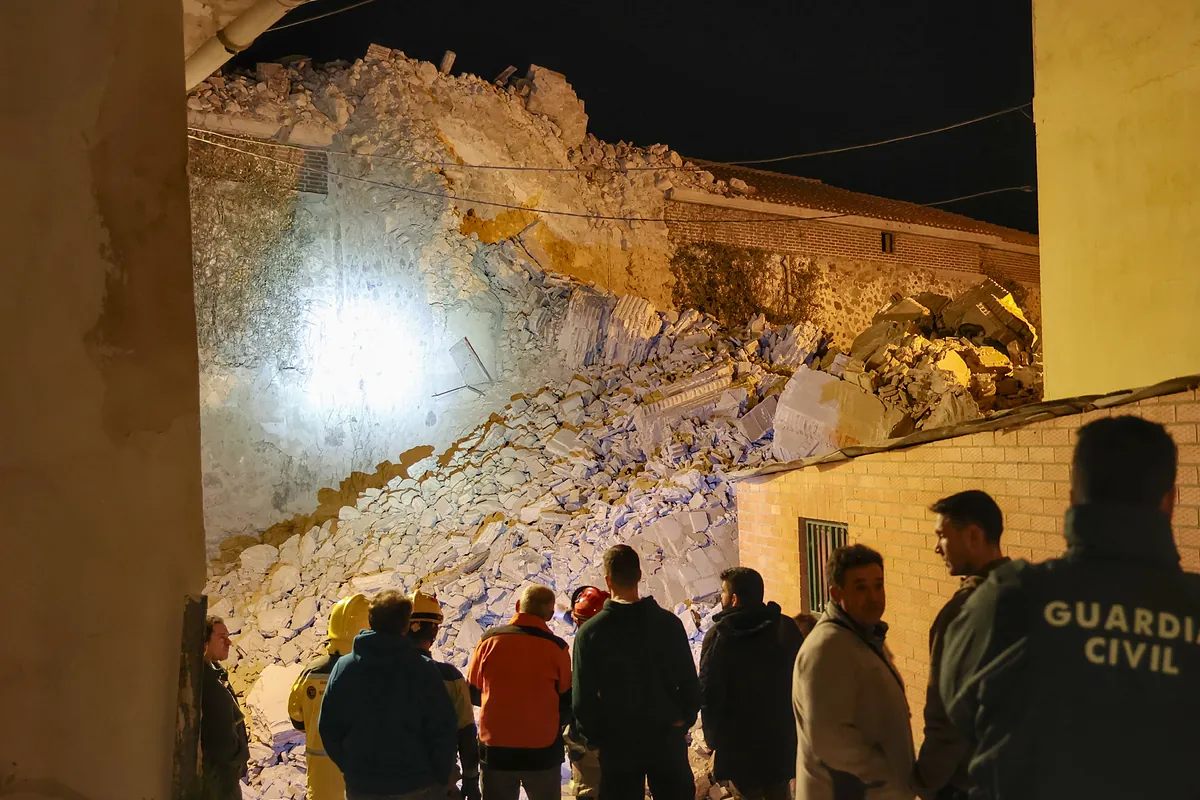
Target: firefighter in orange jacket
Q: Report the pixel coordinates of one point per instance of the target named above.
(586, 602)
(348, 617)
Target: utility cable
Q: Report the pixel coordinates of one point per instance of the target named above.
(867, 144)
(700, 161)
(443, 164)
(318, 16)
(1023, 188)
(551, 212)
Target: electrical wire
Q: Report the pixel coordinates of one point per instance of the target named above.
(497, 167)
(318, 16)
(1024, 188)
(551, 212)
(868, 144)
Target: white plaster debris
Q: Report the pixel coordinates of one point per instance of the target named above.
(633, 447)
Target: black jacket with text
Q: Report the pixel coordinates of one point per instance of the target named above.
(1080, 676)
(746, 666)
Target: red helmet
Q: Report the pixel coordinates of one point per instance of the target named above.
(586, 602)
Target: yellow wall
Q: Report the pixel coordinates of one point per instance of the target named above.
(101, 535)
(1118, 124)
(884, 500)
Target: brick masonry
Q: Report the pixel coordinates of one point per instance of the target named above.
(884, 499)
(857, 277)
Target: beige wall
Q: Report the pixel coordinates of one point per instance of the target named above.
(884, 500)
(101, 535)
(1118, 120)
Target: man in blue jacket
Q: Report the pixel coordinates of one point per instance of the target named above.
(386, 719)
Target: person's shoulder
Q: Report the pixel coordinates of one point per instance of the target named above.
(449, 672)
(320, 666)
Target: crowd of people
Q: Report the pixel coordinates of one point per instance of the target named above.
(1073, 678)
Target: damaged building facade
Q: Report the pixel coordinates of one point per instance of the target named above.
(438, 311)
(345, 241)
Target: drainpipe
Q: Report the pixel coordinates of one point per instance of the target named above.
(234, 38)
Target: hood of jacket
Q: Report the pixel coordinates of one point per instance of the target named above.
(376, 647)
(1119, 531)
(749, 619)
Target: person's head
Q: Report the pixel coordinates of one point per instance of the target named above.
(347, 618)
(1124, 461)
(390, 612)
(855, 575)
(426, 619)
(622, 570)
(586, 602)
(968, 529)
(805, 622)
(741, 586)
(538, 601)
(216, 639)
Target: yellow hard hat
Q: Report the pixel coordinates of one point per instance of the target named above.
(425, 608)
(348, 617)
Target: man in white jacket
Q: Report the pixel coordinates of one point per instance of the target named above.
(852, 716)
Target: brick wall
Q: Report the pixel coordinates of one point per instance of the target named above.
(884, 498)
(856, 276)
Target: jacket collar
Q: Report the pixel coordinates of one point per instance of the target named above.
(976, 578)
(745, 617)
(1119, 531)
(530, 620)
(873, 636)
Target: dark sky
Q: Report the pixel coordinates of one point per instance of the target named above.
(727, 81)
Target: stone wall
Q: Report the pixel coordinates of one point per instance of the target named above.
(884, 500)
(855, 278)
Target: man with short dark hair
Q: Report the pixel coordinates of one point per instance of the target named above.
(386, 720)
(746, 686)
(224, 746)
(968, 528)
(520, 677)
(636, 693)
(423, 626)
(1080, 676)
(852, 715)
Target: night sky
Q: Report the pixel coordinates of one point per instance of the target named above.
(727, 81)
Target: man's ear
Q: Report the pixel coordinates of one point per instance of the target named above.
(1168, 502)
(835, 592)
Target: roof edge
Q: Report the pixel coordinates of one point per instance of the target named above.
(1002, 420)
(800, 212)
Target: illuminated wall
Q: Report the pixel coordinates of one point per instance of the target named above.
(1118, 121)
(325, 324)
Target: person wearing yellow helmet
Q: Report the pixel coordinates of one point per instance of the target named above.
(348, 617)
(423, 627)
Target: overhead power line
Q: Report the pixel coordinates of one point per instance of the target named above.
(1022, 188)
(318, 16)
(552, 212)
(868, 144)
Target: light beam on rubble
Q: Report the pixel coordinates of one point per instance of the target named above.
(363, 352)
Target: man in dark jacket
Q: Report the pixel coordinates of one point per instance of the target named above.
(968, 529)
(224, 747)
(635, 690)
(386, 719)
(1080, 676)
(746, 687)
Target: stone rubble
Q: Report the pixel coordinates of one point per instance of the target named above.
(634, 446)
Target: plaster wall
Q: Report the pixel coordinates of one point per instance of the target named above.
(100, 448)
(1117, 108)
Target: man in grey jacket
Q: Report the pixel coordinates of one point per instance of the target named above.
(852, 716)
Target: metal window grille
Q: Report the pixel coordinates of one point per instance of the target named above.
(821, 538)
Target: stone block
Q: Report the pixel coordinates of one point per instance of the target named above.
(818, 414)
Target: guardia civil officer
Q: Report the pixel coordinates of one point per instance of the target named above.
(1080, 676)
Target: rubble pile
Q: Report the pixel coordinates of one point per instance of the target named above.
(940, 361)
(634, 448)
